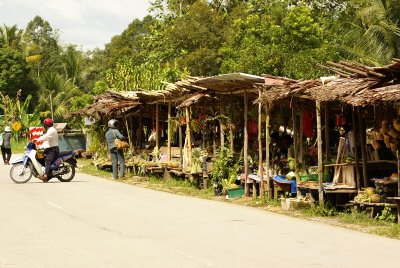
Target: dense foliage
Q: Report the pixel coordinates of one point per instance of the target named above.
(197, 38)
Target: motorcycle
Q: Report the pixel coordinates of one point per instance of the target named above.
(32, 164)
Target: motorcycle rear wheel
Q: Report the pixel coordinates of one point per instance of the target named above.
(20, 174)
(68, 176)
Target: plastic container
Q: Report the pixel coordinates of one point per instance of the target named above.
(238, 192)
(314, 177)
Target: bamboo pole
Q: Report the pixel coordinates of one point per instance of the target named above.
(267, 147)
(260, 154)
(188, 135)
(362, 132)
(169, 132)
(157, 129)
(320, 166)
(245, 146)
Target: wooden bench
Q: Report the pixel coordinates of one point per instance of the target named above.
(371, 206)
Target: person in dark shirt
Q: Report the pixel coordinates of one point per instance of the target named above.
(6, 145)
(117, 156)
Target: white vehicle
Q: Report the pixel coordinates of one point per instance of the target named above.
(63, 167)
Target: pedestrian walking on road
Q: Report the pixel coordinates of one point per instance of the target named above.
(117, 156)
(6, 145)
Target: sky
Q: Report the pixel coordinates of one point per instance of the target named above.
(87, 24)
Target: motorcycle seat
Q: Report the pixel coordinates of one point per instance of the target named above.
(63, 153)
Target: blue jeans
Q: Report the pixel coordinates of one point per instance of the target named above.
(117, 157)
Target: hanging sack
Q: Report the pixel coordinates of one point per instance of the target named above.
(120, 144)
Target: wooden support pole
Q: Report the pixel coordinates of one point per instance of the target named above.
(140, 138)
(231, 137)
(128, 133)
(363, 141)
(157, 128)
(301, 143)
(188, 135)
(398, 184)
(327, 152)
(260, 151)
(245, 146)
(180, 145)
(295, 145)
(267, 148)
(169, 131)
(320, 164)
(356, 156)
(221, 126)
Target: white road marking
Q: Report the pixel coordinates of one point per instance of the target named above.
(54, 205)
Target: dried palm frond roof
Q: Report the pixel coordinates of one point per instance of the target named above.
(339, 89)
(374, 96)
(233, 83)
(108, 104)
(353, 69)
(193, 99)
(359, 85)
(285, 90)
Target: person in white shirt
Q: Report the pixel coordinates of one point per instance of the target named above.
(50, 146)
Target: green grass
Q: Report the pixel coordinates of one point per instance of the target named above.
(18, 146)
(327, 214)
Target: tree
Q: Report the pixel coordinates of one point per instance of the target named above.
(14, 73)
(10, 36)
(195, 39)
(72, 60)
(374, 37)
(42, 40)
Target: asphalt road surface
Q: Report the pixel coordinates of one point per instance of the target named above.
(93, 222)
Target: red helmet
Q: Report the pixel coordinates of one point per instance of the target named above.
(48, 122)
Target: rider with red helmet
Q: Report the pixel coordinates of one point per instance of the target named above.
(50, 146)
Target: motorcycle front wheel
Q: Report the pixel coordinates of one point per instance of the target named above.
(19, 173)
(68, 170)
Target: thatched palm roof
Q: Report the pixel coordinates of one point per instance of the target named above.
(356, 85)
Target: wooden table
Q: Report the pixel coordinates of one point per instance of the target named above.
(396, 200)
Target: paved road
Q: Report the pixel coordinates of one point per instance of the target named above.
(92, 222)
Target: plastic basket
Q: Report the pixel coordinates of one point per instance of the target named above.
(314, 177)
(237, 192)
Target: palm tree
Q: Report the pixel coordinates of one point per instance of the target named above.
(375, 37)
(56, 94)
(10, 36)
(72, 60)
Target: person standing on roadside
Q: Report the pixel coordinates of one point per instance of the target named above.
(117, 156)
(6, 145)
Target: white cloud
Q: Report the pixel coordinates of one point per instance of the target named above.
(86, 23)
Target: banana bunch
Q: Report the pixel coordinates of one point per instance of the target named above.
(396, 125)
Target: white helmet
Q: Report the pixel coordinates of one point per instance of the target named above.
(7, 129)
(113, 123)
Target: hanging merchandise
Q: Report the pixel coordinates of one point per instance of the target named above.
(252, 129)
(308, 124)
(340, 120)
